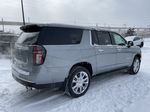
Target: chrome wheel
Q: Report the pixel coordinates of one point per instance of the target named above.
(136, 65)
(80, 82)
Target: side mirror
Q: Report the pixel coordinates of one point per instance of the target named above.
(130, 43)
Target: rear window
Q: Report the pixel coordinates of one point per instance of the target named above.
(59, 36)
(27, 38)
(136, 38)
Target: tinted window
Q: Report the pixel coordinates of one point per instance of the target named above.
(118, 40)
(103, 38)
(94, 38)
(60, 36)
(136, 38)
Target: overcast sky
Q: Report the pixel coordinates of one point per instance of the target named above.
(103, 12)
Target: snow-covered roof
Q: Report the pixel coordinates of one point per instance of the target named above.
(130, 38)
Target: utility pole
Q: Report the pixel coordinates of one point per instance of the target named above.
(3, 25)
(23, 17)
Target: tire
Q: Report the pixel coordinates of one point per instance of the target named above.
(142, 44)
(78, 82)
(135, 67)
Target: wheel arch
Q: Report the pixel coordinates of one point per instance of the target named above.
(87, 65)
(138, 55)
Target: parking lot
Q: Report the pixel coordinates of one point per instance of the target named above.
(113, 92)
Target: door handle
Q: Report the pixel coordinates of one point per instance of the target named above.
(101, 50)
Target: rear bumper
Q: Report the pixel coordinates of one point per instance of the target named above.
(37, 86)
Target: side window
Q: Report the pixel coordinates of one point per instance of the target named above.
(136, 38)
(104, 38)
(60, 36)
(94, 37)
(118, 40)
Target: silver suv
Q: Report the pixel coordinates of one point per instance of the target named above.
(56, 55)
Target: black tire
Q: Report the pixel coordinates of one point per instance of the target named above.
(142, 44)
(69, 85)
(132, 71)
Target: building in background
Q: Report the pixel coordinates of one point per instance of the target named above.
(7, 41)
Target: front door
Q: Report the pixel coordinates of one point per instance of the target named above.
(123, 52)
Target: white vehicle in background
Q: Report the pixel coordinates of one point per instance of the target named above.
(137, 41)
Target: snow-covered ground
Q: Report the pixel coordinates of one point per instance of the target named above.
(113, 92)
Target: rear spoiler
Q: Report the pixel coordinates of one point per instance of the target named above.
(31, 28)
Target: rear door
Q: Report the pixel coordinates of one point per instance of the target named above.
(22, 54)
(137, 40)
(105, 51)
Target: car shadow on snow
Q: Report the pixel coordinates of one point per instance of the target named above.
(39, 99)
(51, 99)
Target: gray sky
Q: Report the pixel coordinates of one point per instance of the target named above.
(103, 12)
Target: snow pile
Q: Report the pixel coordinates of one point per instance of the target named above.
(113, 92)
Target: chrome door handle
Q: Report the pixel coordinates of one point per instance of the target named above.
(101, 50)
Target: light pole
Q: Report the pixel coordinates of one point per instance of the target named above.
(23, 17)
(3, 25)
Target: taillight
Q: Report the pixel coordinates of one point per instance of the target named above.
(38, 55)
